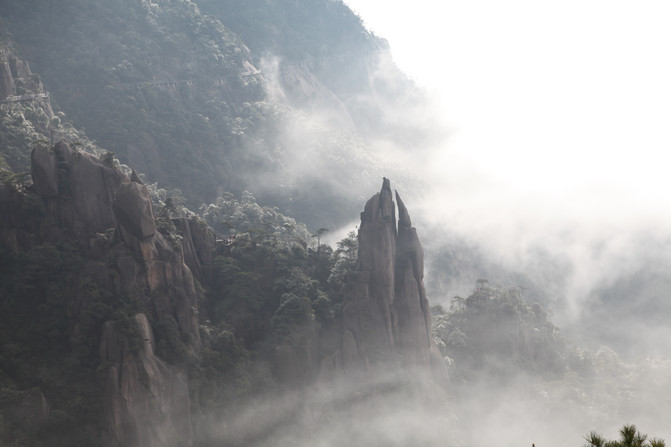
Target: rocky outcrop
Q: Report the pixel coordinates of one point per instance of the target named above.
(44, 170)
(386, 316)
(88, 197)
(191, 258)
(132, 207)
(18, 81)
(147, 400)
(7, 87)
(88, 201)
(15, 72)
(78, 188)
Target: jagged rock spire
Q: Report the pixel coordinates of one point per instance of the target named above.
(386, 316)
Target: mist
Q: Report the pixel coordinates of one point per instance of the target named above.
(528, 142)
(384, 408)
(550, 136)
(546, 169)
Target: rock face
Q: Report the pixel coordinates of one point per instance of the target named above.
(91, 203)
(79, 188)
(7, 87)
(16, 78)
(132, 207)
(386, 316)
(148, 401)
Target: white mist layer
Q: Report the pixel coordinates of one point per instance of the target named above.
(553, 139)
(557, 109)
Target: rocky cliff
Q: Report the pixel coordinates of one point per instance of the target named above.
(146, 399)
(134, 277)
(16, 78)
(386, 316)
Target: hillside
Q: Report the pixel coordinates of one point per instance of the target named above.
(185, 99)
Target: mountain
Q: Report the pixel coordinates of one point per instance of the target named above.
(167, 172)
(386, 312)
(124, 325)
(210, 99)
(126, 319)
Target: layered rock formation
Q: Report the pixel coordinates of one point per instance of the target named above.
(89, 203)
(386, 316)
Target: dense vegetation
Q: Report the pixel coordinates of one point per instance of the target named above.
(40, 353)
(494, 331)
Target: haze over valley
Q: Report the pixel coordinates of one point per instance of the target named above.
(328, 223)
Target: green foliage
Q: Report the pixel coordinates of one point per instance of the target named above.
(171, 343)
(104, 81)
(108, 158)
(16, 181)
(629, 437)
(318, 234)
(37, 349)
(263, 224)
(308, 29)
(223, 373)
(494, 330)
(170, 89)
(294, 311)
(345, 261)
(166, 226)
(273, 298)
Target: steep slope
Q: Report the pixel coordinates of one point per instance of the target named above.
(144, 79)
(177, 95)
(27, 119)
(26, 110)
(325, 58)
(122, 272)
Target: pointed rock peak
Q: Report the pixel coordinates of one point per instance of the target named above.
(380, 206)
(403, 216)
(386, 185)
(386, 313)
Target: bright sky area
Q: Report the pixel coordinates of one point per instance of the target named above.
(563, 106)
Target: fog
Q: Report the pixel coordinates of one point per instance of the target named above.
(546, 168)
(557, 113)
(532, 156)
(383, 408)
(552, 134)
